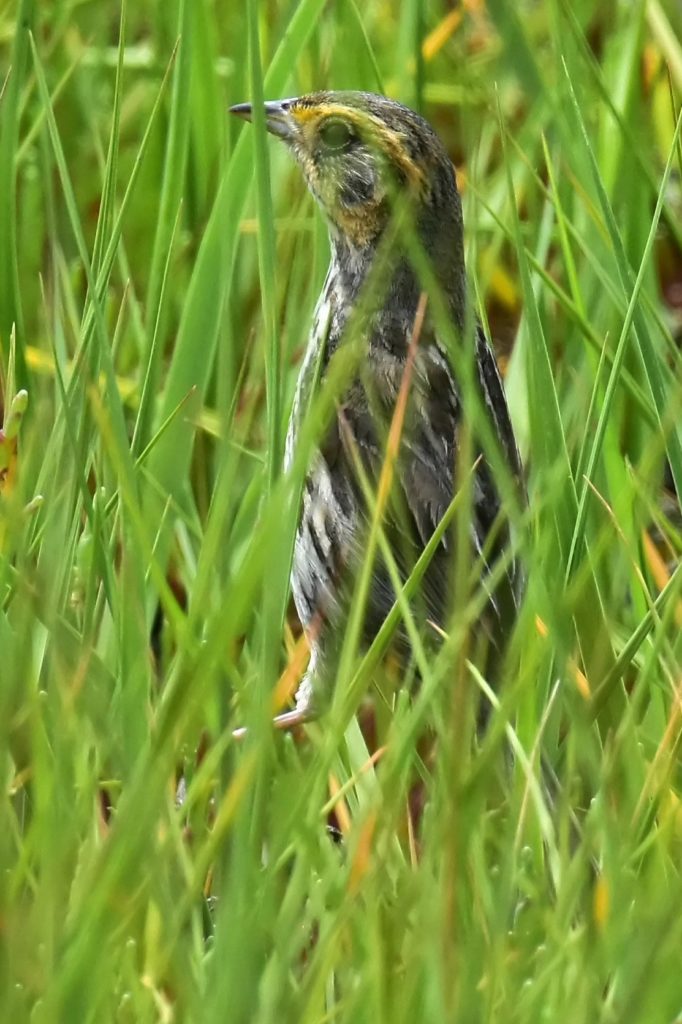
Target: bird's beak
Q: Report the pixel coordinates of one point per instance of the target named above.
(278, 119)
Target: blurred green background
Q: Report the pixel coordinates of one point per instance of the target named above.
(159, 264)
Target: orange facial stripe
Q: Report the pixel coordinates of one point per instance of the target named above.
(306, 115)
(374, 131)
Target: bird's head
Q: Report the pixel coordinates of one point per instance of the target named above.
(356, 150)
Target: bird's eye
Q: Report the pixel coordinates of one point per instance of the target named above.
(335, 135)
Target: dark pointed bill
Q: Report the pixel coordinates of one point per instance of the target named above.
(278, 120)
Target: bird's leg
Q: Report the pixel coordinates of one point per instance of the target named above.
(305, 710)
(302, 713)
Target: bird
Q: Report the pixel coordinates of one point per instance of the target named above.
(361, 155)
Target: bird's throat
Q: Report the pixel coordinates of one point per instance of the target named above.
(381, 275)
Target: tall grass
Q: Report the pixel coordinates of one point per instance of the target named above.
(158, 270)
